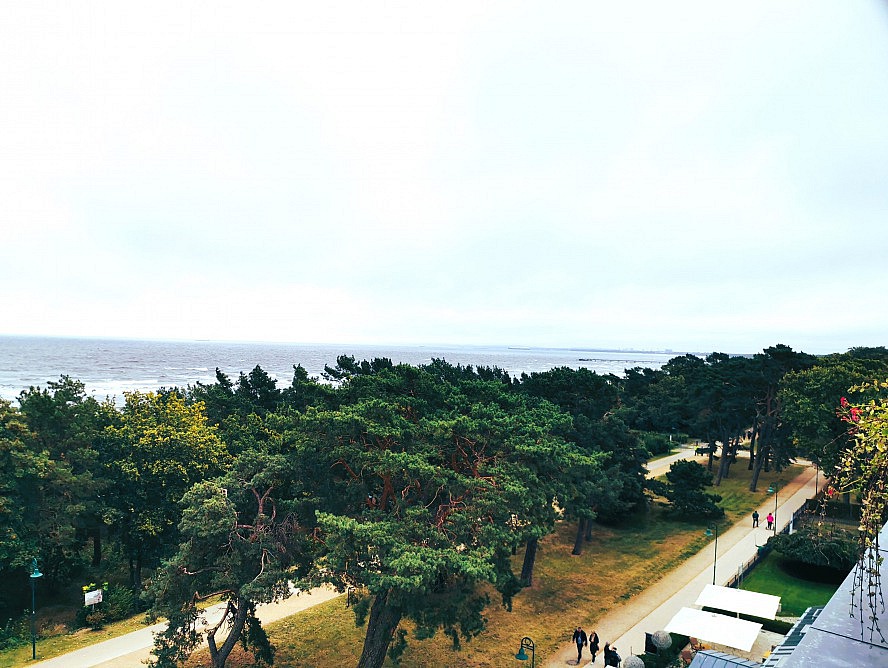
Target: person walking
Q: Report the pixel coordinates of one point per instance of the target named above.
(593, 644)
(770, 521)
(755, 518)
(580, 638)
(611, 658)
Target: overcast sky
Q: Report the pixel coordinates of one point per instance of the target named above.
(695, 176)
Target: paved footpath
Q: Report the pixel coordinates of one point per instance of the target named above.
(133, 649)
(651, 610)
(648, 612)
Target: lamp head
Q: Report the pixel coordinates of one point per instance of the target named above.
(526, 643)
(35, 572)
(771, 489)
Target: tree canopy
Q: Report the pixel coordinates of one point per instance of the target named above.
(430, 485)
(413, 487)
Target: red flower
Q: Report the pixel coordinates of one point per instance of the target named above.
(844, 402)
(855, 414)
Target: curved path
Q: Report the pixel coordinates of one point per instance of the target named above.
(133, 649)
(624, 626)
(652, 610)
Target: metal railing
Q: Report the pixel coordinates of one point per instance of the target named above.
(762, 551)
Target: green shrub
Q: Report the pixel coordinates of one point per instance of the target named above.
(96, 618)
(118, 602)
(121, 602)
(15, 633)
(655, 443)
(684, 490)
(819, 545)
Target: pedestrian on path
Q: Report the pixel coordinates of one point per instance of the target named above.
(755, 518)
(580, 638)
(611, 658)
(770, 520)
(593, 644)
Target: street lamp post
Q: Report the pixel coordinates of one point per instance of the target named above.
(526, 643)
(773, 488)
(35, 573)
(715, 554)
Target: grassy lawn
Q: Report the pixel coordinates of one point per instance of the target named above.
(774, 575)
(55, 641)
(617, 564)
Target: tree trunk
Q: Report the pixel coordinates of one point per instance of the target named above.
(97, 546)
(139, 570)
(759, 464)
(219, 656)
(752, 440)
(578, 542)
(384, 619)
(588, 535)
(724, 466)
(530, 555)
(132, 573)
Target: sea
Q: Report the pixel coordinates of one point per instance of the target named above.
(110, 367)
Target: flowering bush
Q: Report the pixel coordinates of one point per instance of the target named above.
(863, 468)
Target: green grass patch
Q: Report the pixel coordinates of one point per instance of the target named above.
(56, 641)
(776, 575)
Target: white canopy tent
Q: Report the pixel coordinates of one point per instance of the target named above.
(739, 600)
(715, 628)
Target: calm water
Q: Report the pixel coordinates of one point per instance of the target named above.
(110, 367)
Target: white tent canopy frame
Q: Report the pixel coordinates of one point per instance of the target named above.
(715, 628)
(741, 601)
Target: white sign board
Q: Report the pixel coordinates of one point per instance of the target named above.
(92, 597)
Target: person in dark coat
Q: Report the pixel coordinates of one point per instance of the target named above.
(611, 658)
(580, 638)
(593, 644)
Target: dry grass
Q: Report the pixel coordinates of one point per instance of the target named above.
(619, 563)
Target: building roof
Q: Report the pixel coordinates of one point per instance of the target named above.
(842, 634)
(793, 638)
(707, 658)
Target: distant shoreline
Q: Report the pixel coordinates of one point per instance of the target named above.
(312, 344)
